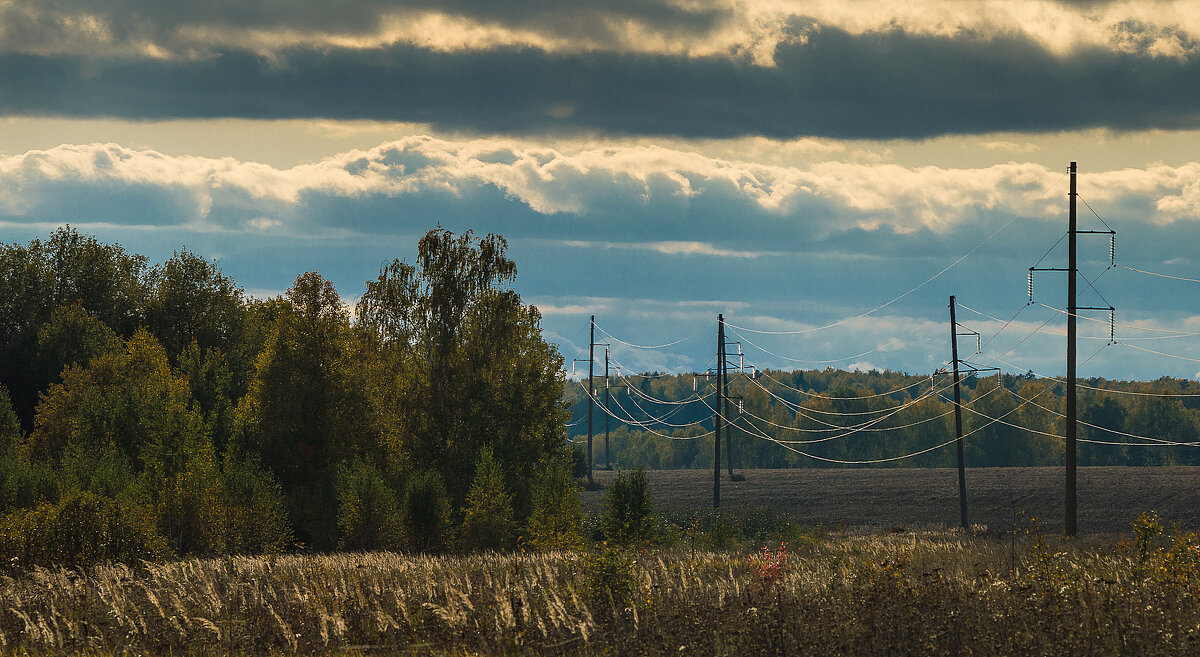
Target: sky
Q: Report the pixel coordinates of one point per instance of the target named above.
(824, 174)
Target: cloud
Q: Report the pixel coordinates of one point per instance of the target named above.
(826, 82)
(697, 28)
(672, 202)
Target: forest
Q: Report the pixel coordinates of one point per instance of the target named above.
(154, 411)
(158, 410)
(1008, 420)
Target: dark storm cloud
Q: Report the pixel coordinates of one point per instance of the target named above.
(878, 85)
(183, 26)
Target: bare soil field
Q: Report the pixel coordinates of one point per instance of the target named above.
(920, 498)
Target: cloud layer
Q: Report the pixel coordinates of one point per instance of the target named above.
(911, 79)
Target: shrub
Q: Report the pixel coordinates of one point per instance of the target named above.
(556, 520)
(256, 518)
(189, 505)
(103, 470)
(488, 523)
(628, 515)
(368, 515)
(79, 530)
(24, 485)
(611, 580)
(426, 512)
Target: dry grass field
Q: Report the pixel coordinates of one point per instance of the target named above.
(927, 593)
(1109, 497)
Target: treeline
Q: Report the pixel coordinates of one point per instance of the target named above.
(897, 415)
(148, 411)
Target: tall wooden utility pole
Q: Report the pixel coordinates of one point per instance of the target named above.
(1071, 527)
(717, 413)
(724, 365)
(591, 392)
(962, 470)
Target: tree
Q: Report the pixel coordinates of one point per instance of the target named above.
(628, 508)
(556, 519)
(488, 519)
(368, 513)
(305, 410)
(130, 401)
(191, 300)
(66, 269)
(459, 364)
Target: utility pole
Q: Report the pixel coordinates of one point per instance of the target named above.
(725, 400)
(607, 462)
(1071, 527)
(962, 471)
(717, 413)
(591, 392)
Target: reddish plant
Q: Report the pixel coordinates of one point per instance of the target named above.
(768, 567)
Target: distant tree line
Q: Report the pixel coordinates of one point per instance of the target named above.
(149, 411)
(827, 404)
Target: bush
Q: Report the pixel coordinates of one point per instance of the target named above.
(488, 523)
(368, 515)
(189, 505)
(556, 520)
(79, 530)
(628, 510)
(24, 485)
(105, 471)
(426, 512)
(256, 518)
(611, 580)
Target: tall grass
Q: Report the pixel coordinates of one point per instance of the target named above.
(937, 593)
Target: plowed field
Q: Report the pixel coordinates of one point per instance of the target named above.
(1109, 497)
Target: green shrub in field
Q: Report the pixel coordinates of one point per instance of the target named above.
(488, 522)
(79, 530)
(426, 512)
(556, 520)
(256, 517)
(610, 577)
(368, 515)
(628, 515)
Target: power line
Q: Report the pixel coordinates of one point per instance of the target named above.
(1151, 273)
(640, 346)
(657, 433)
(1128, 326)
(927, 281)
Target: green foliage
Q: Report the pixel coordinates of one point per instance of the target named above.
(192, 301)
(254, 508)
(100, 469)
(131, 401)
(457, 362)
(189, 505)
(25, 484)
(305, 411)
(488, 523)
(10, 426)
(426, 512)
(628, 509)
(71, 337)
(81, 529)
(368, 515)
(610, 580)
(556, 521)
